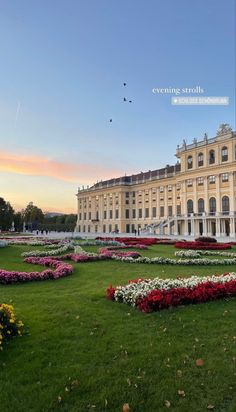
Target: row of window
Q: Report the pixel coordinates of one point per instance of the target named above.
(200, 181)
(211, 179)
(211, 158)
(225, 205)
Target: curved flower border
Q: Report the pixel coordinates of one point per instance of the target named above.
(61, 270)
(154, 294)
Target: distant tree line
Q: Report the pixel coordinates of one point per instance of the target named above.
(32, 218)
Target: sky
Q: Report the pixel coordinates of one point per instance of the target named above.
(63, 64)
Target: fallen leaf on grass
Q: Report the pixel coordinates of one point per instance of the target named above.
(167, 403)
(181, 393)
(75, 383)
(199, 362)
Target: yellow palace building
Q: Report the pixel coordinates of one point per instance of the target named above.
(196, 196)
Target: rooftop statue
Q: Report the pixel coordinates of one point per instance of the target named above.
(224, 128)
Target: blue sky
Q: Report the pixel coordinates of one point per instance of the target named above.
(63, 64)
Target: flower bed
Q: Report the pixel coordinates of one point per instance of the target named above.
(197, 254)
(115, 250)
(61, 270)
(91, 257)
(53, 252)
(155, 294)
(131, 240)
(163, 299)
(98, 242)
(160, 260)
(202, 245)
(9, 325)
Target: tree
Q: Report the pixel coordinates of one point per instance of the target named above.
(33, 216)
(71, 219)
(18, 221)
(6, 214)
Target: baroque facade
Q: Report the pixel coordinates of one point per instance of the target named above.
(196, 196)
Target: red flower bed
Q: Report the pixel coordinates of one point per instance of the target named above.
(163, 299)
(140, 240)
(110, 292)
(202, 245)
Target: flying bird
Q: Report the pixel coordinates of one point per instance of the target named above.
(125, 100)
(110, 120)
(130, 101)
(124, 84)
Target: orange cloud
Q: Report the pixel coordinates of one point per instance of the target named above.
(42, 166)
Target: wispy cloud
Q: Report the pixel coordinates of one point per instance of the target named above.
(66, 171)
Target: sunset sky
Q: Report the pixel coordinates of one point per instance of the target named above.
(63, 65)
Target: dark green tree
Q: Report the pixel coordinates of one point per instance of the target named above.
(18, 221)
(6, 214)
(33, 216)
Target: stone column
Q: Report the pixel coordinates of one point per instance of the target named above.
(176, 227)
(232, 228)
(165, 201)
(218, 200)
(192, 227)
(217, 227)
(185, 226)
(232, 194)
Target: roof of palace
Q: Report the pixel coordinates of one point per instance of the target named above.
(141, 177)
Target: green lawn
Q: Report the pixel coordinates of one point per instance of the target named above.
(113, 353)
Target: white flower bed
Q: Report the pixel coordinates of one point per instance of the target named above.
(24, 242)
(186, 262)
(78, 250)
(132, 292)
(197, 254)
(53, 252)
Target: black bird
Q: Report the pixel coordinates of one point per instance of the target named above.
(124, 84)
(125, 100)
(130, 101)
(110, 120)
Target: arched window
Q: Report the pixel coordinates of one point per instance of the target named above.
(212, 205)
(201, 206)
(190, 206)
(225, 204)
(200, 159)
(190, 162)
(224, 154)
(212, 157)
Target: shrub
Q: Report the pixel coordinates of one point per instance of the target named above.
(206, 239)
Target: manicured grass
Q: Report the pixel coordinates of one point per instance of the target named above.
(116, 353)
